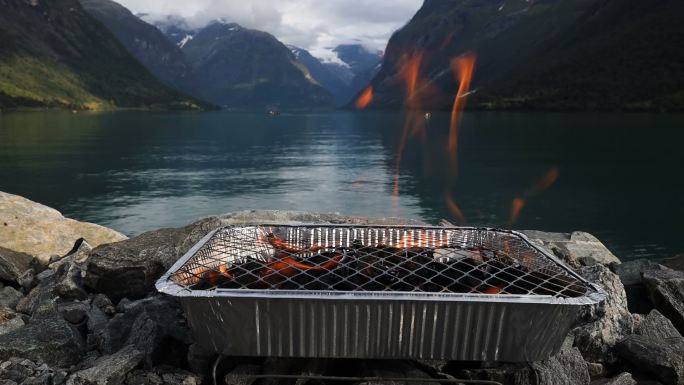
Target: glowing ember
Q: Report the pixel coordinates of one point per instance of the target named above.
(365, 98)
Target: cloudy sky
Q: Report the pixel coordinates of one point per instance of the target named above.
(316, 25)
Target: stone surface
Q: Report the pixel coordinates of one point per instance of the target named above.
(595, 369)
(621, 379)
(577, 249)
(41, 300)
(603, 324)
(657, 327)
(50, 340)
(141, 260)
(565, 368)
(9, 321)
(74, 312)
(104, 303)
(154, 326)
(630, 271)
(78, 255)
(28, 279)
(13, 263)
(663, 360)
(69, 284)
(163, 376)
(42, 231)
(108, 370)
(9, 297)
(666, 289)
(675, 263)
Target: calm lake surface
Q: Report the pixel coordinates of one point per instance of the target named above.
(620, 175)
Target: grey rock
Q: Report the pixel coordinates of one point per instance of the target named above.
(595, 369)
(70, 283)
(123, 305)
(140, 261)
(565, 368)
(657, 327)
(41, 379)
(102, 302)
(45, 274)
(666, 289)
(41, 300)
(675, 263)
(577, 249)
(13, 264)
(108, 370)
(28, 279)
(9, 297)
(240, 375)
(663, 360)
(78, 255)
(630, 271)
(9, 321)
(50, 340)
(605, 323)
(74, 312)
(153, 325)
(621, 379)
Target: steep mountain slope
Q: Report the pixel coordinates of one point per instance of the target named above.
(329, 80)
(546, 54)
(145, 42)
(243, 68)
(54, 54)
(345, 78)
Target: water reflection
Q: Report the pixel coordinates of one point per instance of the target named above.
(139, 171)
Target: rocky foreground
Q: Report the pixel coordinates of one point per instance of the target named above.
(90, 315)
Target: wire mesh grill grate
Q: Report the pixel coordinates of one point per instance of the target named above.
(375, 259)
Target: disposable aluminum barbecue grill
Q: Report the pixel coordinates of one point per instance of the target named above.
(377, 292)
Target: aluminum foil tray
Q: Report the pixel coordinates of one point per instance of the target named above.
(343, 291)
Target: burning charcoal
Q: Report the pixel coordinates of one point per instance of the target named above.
(434, 278)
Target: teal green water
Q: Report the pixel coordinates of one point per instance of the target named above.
(620, 174)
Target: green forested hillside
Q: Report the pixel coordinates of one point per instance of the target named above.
(53, 54)
(547, 54)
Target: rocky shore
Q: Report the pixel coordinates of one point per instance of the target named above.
(89, 314)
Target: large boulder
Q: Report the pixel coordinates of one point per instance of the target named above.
(13, 264)
(108, 370)
(577, 249)
(666, 289)
(141, 260)
(657, 327)
(662, 359)
(41, 300)
(48, 339)
(606, 323)
(38, 230)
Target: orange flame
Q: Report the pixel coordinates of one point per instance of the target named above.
(463, 66)
(409, 72)
(539, 187)
(365, 98)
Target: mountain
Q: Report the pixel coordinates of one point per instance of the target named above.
(145, 42)
(175, 28)
(345, 78)
(238, 67)
(54, 54)
(545, 54)
(337, 86)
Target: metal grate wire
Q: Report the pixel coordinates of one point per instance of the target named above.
(376, 259)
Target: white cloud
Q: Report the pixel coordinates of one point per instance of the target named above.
(316, 25)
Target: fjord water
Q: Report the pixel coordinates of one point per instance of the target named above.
(620, 174)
